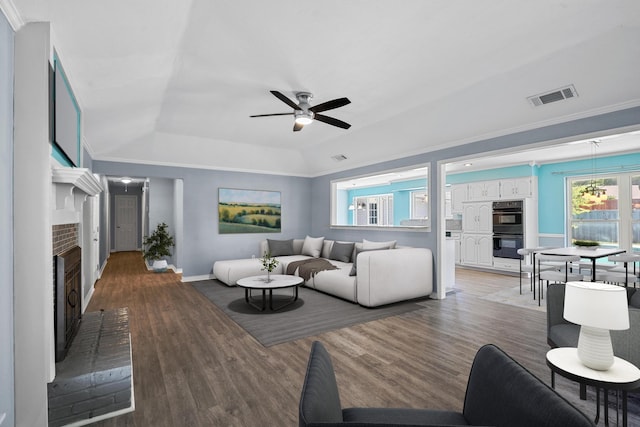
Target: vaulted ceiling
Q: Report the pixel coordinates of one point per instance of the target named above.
(174, 82)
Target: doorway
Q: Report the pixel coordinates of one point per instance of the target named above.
(126, 223)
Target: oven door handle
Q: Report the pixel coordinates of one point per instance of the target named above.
(507, 236)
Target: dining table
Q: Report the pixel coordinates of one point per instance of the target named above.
(590, 253)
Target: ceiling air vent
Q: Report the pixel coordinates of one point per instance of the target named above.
(339, 157)
(553, 96)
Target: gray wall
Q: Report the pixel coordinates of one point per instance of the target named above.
(320, 187)
(6, 222)
(203, 244)
(161, 207)
(305, 201)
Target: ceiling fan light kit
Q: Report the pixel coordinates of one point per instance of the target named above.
(305, 114)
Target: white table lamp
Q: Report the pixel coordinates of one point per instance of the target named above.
(597, 308)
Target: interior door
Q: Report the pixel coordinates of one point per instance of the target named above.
(126, 223)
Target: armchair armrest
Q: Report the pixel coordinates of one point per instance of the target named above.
(391, 275)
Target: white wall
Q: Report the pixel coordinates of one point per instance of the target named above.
(33, 283)
(6, 224)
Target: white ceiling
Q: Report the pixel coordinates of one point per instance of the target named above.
(174, 82)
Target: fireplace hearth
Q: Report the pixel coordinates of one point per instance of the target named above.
(68, 299)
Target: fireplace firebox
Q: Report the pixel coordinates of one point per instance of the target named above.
(68, 299)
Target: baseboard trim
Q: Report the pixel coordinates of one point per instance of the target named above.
(197, 278)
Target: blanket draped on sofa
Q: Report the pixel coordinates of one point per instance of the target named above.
(307, 268)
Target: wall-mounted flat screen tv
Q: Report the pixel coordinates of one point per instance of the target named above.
(66, 117)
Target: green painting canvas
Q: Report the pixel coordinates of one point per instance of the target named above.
(248, 211)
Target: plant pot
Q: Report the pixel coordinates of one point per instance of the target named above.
(159, 265)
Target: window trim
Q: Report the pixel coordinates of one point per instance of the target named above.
(412, 228)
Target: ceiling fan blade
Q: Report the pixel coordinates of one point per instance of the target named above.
(275, 114)
(330, 105)
(286, 100)
(331, 121)
(297, 127)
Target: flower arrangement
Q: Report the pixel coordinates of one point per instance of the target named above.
(268, 263)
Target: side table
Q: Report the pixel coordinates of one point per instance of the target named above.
(622, 376)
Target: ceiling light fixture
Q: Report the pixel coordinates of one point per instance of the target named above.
(125, 180)
(591, 191)
(304, 117)
(466, 165)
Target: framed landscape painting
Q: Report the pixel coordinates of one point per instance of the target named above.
(248, 211)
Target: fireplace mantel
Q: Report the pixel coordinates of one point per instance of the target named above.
(71, 188)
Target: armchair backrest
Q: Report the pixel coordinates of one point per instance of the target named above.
(555, 305)
(320, 400)
(500, 391)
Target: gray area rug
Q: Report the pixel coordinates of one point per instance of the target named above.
(313, 313)
(512, 296)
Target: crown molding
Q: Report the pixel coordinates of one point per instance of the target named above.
(12, 14)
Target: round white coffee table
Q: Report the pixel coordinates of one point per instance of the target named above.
(622, 376)
(278, 281)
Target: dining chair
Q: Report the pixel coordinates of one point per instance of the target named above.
(559, 271)
(527, 264)
(620, 274)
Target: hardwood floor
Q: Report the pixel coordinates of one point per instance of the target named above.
(193, 366)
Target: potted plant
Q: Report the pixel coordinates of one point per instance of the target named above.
(586, 244)
(157, 246)
(268, 263)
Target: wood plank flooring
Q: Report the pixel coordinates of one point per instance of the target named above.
(193, 366)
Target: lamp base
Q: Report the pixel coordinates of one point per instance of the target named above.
(594, 348)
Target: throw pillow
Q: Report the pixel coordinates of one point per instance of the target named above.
(366, 244)
(341, 251)
(635, 299)
(312, 246)
(280, 247)
(354, 268)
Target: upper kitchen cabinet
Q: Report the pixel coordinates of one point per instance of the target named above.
(477, 218)
(484, 190)
(458, 195)
(517, 188)
(499, 189)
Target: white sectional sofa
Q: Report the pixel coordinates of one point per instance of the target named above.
(382, 276)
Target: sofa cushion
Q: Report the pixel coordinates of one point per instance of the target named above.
(280, 247)
(341, 251)
(367, 244)
(354, 267)
(312, 246)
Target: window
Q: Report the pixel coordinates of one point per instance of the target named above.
(397, 198)
(606, 209)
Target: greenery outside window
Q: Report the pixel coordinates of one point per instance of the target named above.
(610, 217)
(391, 199)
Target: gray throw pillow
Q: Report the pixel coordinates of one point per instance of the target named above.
(280, 247)
(341, 251)
(354, 268)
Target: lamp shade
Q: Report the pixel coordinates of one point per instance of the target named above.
(596, 305)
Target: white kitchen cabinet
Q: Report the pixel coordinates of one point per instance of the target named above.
(477, 217)
(458, 197)
(516, 188)
(456, 237)
(483, 190)
(477, 249)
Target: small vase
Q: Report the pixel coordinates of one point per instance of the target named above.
(268, 276)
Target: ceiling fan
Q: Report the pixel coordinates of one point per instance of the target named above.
(304, 113)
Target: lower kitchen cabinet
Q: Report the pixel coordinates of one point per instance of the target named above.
(477, 249)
